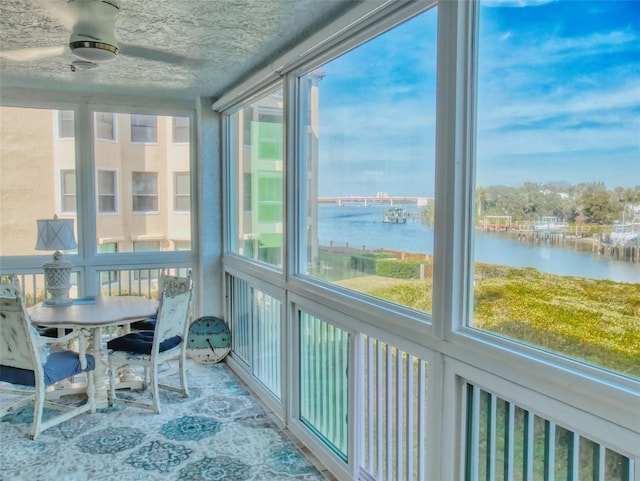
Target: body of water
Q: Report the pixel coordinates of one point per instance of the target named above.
(363, 227)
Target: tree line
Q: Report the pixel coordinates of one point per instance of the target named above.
(584, 203)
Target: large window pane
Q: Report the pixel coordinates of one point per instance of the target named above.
(367, 137)
(137, 186)
(37, 174)
(256, 138)
(558, 178)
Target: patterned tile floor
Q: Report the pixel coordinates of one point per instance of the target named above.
(221, 432)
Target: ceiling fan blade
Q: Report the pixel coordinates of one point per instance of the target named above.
(30, 54)
(157, 55)
(63, 14)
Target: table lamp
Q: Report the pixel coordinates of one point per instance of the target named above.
(57, 234)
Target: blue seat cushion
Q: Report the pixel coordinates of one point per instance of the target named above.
(60, 365)
(148, 324)
(141, 342)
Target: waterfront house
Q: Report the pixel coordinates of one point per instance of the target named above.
(197, 146)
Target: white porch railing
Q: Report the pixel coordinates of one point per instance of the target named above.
(135, 282)
(324, 374)
(507, 442)
(394, 421)
(388, 440)
(255, 319)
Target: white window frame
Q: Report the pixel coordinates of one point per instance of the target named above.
(570, 383)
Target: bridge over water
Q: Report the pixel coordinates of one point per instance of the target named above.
(373, 199)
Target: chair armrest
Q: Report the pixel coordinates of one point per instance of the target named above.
(82, 335)
(60, 340)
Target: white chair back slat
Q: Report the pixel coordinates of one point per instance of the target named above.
(173, 316)
(172, 285)
(16, 339)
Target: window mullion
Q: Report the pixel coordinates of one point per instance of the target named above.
(454, 168)
(86, 197)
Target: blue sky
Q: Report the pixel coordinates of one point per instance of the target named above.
(558, 99)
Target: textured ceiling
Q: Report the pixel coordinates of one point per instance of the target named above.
(199, 47)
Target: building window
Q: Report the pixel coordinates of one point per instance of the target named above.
(66, 124)
(554, 176)
(145, 191)
(181, 191)
(182, 245)
(107, 191)
(68, 191)
(105, 125)
(246, 190)
(270, 198)
(367, 178)
(108, 279)
(144, 129)
(146, 246)
(181, 130)
(259, 179)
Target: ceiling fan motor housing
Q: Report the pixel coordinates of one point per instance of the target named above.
(93, 38)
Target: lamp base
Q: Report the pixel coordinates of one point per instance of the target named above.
(58, 299)
(58, 280)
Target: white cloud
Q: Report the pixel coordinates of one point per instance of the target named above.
(577, 104)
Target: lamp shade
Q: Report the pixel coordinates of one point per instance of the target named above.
(55, 234)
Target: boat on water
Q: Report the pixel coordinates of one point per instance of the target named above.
(395, 215)
(626, 232)
(549, 224)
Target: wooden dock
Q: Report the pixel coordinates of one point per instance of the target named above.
(601, 244)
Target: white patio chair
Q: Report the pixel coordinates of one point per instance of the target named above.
(176, 284)
(150, 349)
(26, 360)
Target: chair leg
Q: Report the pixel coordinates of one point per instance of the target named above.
(112, 384)
(91, 391)
(183, 376)
(155, 394)
(38, 408)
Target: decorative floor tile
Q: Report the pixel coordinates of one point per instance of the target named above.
(219, 433)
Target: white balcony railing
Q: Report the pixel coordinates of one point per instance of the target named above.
(388, 440)
(120, 282)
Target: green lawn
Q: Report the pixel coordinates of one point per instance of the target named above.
(591, 320)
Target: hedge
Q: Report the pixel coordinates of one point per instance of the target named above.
(367, 262)
(400, 269)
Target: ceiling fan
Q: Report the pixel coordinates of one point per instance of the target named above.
(93, 40)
